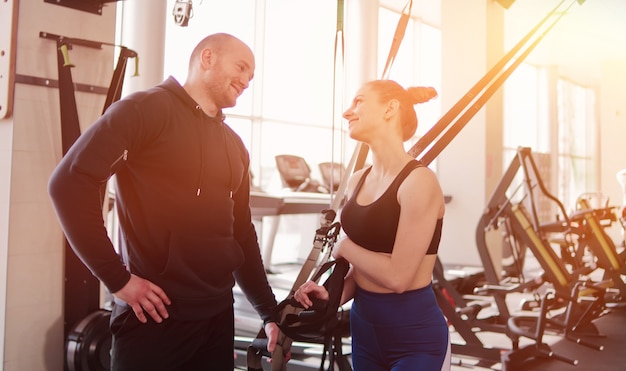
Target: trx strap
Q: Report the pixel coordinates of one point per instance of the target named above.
(82, 289)
(434, 137)
(339, 43)
(79, 282)
(70, 127)
(117, 80)
(326, 235)
(362, 149)
(437, 138)
(397, 38)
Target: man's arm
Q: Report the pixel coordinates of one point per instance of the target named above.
(251, 275)
(75, 188)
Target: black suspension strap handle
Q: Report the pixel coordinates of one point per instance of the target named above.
(324, 238)
(117, 80)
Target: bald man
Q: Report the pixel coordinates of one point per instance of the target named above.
(182, 197)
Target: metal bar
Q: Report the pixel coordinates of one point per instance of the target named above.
(93, 6)
(71, 40)
(52, 83)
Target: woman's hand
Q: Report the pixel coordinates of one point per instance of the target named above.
(309, 290)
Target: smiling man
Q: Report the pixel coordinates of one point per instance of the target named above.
(182, 196)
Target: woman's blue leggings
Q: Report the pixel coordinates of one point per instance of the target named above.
(394, 332)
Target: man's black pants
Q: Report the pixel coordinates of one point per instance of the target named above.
(172, 345)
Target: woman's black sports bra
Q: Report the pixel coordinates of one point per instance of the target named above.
(374, 226)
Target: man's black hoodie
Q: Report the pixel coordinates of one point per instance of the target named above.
(182, 196)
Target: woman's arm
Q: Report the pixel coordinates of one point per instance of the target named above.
(421, 201)
(349, 287)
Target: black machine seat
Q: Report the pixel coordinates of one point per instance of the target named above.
(332, 174)
(295, 174)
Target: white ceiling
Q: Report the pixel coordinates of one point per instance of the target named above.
(587, 36)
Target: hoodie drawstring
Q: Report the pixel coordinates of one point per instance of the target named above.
(201, 138)
(202, 154)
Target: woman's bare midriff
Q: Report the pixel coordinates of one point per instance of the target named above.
(421, 279)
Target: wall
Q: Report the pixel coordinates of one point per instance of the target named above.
(461, 166)
(142, 26)
(33, 337)
(612, 138)
(8, 24)
(6, 143)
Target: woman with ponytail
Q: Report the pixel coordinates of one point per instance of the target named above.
(392, 223)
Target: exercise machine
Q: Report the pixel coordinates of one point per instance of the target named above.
(581, 299)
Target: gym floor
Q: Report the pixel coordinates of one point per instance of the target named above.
(612, 336)
(611, 328)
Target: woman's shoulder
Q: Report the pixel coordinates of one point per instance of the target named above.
(421, 172)
(421, 185)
